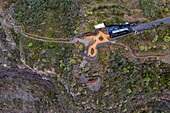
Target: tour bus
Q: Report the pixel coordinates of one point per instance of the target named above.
(117, 29)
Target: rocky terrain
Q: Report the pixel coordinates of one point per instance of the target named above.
(37, 76)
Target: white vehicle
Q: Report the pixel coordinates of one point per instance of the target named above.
(98, 26)
(126, 22)
(120, 30)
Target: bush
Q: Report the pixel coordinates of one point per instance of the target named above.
(95, 74)
(129, 90)
(166, 38)
(153, 25)
(146, 79)
(73, 61)
(166, 10)
(120, 13)
(81, 47)
(161, 23)
(95, 22)
(86, 69)
(164, 47)
(30, 45)
(89, 12)
(154, 46)
(143, 48)
(146, 48)
(155, 38)
(75, 32)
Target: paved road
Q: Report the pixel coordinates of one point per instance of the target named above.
(149, 25)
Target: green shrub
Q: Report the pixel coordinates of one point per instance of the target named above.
(81, 47)
(146, 48)
(89, 12)
(58, 75)
(166, 10)
(73, 61)
(44, 60)
(146, 79)
(129, 90)
(161, 23)
(86, 69)
(164, 47)
(166, 38)
(143, 48)
(86, 75)
(75, 32)
(30, 45)
(153, 25)
(154, 46)
(95, 74)
(80, 88)
(155, 38)
(95, 22)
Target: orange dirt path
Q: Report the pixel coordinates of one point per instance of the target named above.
(99, 38)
